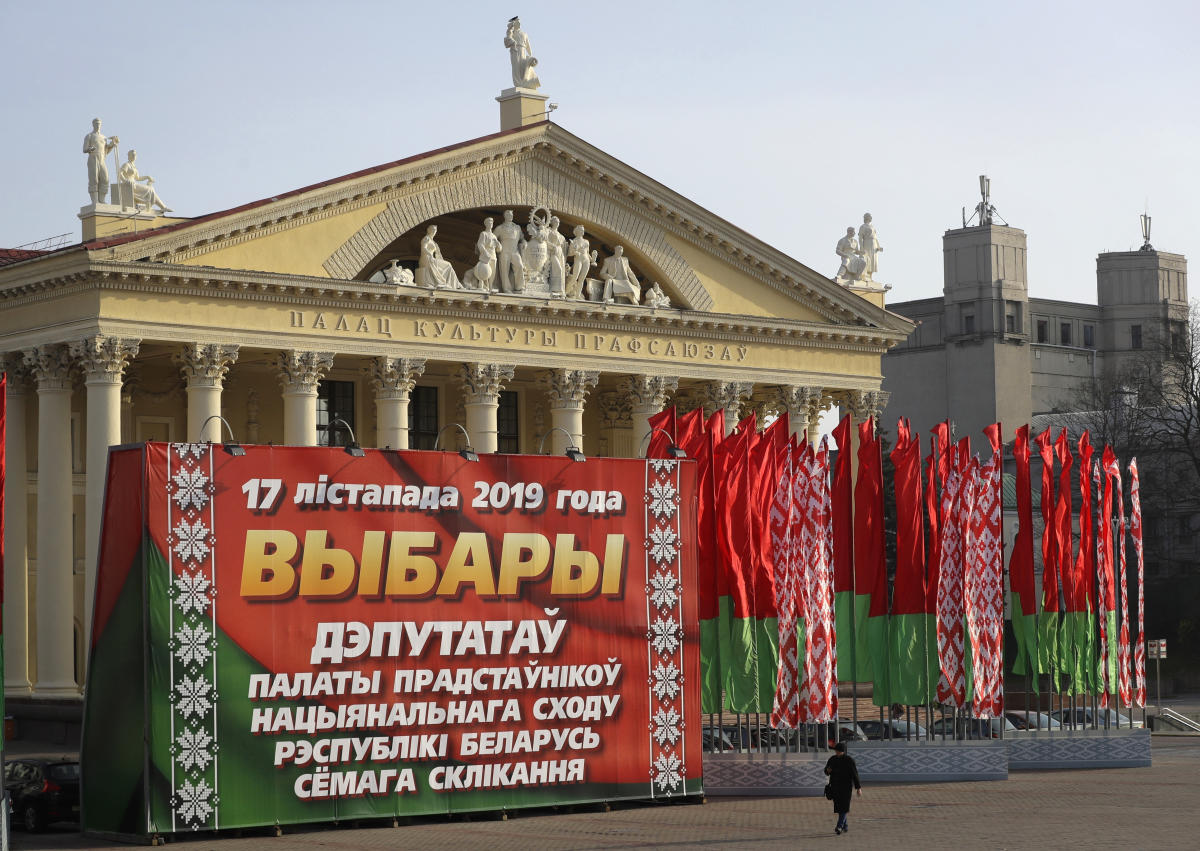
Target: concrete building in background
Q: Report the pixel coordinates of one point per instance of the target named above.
(986, 352)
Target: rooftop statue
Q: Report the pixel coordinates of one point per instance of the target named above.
(394, 274)
(521, 55)
(486, 247)
(869, 247)
(655, 297)
(433, 271)
(511, 276)
(584, 259)
(853, 262)
(96, 145)
(133, 190)
(619, 280)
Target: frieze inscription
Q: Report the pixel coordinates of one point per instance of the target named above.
(472, 332)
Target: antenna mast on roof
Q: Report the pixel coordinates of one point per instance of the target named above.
(1146, 246)
(985, 211)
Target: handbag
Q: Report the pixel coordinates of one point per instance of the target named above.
(829, 791)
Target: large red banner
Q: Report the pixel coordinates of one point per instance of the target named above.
(333, 636)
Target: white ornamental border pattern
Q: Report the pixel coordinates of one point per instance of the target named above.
(664, 630)
(193, 660)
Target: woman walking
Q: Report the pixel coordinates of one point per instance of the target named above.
(843, 779)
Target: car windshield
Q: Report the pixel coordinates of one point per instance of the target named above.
(63, 771)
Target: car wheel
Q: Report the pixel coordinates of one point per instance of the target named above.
(33, 819)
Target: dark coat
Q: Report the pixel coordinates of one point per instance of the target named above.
(843, 778)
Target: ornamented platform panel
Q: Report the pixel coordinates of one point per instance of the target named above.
(1087, 749)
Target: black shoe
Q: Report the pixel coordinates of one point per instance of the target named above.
(845, 828)
(838, 831)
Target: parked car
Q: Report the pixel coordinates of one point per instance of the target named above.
(828, 734)
(971, 728)
(1102, 718)
(42, 792)
(1032, 720)
(895, 728)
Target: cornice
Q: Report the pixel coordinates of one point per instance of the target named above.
(291, 291)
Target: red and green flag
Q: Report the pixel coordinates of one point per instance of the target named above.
(1069, 660)
(870, 573)
(909, 625)
(1048, 619)
(1020, 565)
(842, 499)
(1083, 613)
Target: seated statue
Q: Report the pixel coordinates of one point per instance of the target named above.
(619, 280)
(132, 188)
(432, 270)
(853, 262)
(655, 297)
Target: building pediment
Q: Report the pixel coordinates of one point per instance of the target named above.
(351, 227)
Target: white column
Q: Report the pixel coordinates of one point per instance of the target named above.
(567, 390)
(103, 360)
(482, 383)
(647, 394)
(299, 373)
(394, 380)
(51, 366)
(728, 396)
(800, 402)
(16, 532)
(204, 367)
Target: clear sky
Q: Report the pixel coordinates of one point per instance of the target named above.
(788, 119)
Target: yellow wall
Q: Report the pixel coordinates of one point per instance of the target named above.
(298, 250)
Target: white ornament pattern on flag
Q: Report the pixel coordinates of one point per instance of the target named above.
(952, 684)
(785, 707)
(821, 639)
(803, 511)
(1135, 529)
(1102, 602)
(983, 587)
(667, 767)
(193, 665)
(1124, 686)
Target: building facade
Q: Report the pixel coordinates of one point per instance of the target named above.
(336, 312)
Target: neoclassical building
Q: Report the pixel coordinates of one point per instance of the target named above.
(306, 317)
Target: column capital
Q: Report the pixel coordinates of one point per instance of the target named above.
(616, 410)
(799, 399)
(567, 388)
(650, 391)
(728, 395)
(206, 364)
(300, 372)
(14, 366)
(105, 359)
(394, 378)
(51, 366)
(482, 382)
(866, 403)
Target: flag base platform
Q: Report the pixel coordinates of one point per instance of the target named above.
(802, 774)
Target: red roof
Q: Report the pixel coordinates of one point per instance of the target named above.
(131, 237)
(9, 256)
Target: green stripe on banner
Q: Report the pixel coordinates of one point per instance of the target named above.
(843, 612)
(866, 639)
(1048, 646)
(1113, 638)
(766, 647)
(710, 665)
(1025, 631)
(908, 660)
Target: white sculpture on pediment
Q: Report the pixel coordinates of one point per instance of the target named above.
(521, 56)
(583, 258)
(655, 297)
(511, 276)
(853, 263)
(433, 271)
(395, 274)
(535, 251)
(132, 189)
(487, 247)
(620, 283)
(557, 266)
(96, 145)
(869, 247)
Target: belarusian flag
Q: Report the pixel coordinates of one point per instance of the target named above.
(1048, 620)
(1135, 529)
(820, 681)
(1084, 613)
(1123, 662)
(1068, 654)
(870, 573)
(937, 464)
(1107, 604)
(957, 498)
(784, 532)
(908, 650)
(983, 586)
(763, 480)
(1020, 564)
(731, 462)
(842, 504)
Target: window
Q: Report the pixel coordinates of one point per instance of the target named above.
(508, 431)
(1064, 333)
(423, 417)
(335, 401)
(1089, 336)
(1135, 336)
(1010, 323)
(969, 323)
(1043, 331)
